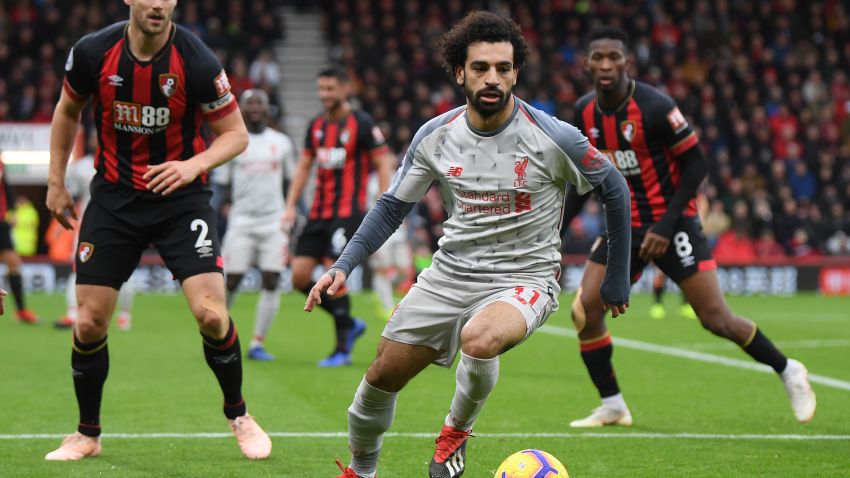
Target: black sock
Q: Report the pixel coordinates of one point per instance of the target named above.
(89, 367)
(597, 358)
(763, 350)
(17, 286)
(340, 309)
(659, 292)
(224, 357)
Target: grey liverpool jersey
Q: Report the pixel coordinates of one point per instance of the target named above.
(503, 189)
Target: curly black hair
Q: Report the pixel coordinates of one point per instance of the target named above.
(481, 26)
(608, 33)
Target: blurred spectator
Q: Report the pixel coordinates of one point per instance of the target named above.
(716, 222)
(735, 245)
(264, 70)
(25, 226)
(803, 183)
(766, 246)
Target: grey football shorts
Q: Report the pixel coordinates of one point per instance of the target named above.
(438, 306)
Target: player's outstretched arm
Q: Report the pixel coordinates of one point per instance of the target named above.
(63, 129)
(232, 139)
(616, 284)
(694, 169)
(332, 281)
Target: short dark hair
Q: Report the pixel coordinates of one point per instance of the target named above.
(334, 71)
(608, 33)
(481, 26)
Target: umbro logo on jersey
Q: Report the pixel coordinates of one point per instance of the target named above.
(594, 133)
(115, 80)
(454, 172)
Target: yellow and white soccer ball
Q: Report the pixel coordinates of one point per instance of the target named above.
(531, 464)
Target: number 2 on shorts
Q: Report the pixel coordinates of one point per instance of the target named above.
(202, 236)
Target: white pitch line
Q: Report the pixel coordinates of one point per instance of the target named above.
(698, 356)
(784, 344)
(623, 435)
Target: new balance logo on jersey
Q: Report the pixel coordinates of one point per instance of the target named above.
(454, 172)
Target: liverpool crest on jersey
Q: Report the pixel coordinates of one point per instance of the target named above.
(628, 130)
(168, 84)
(519, 168)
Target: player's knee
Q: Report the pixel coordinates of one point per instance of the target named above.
(211, 315)
(270, 280)
(211, 322)
(716, 319)
(233, 281)
(385, 379)
(481, 343)
(91, 327)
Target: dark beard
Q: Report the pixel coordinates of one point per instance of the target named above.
(486, 110)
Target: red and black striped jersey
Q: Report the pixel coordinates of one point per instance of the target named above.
(147, 112)
(643, 137)
(343, 150)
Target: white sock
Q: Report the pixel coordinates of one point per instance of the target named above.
(369, 417)
(384, 288)
(126, 296)
(475, 379)
(71, 296)
(616, 401)
(267, 307)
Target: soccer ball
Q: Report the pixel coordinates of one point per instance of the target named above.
(531, 464)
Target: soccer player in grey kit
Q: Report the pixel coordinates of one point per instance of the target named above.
(503, 167)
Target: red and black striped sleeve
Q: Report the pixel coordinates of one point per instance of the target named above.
(207, 81)
(673, 127)
(81, 69)
(371, 138)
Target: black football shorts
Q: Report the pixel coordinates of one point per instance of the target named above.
(111, 241)
(326, 238)
(6, 243)
(687, 254)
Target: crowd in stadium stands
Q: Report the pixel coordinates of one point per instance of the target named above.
(764, 83)
(36, 35)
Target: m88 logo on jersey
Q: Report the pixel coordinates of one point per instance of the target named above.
(625, 160)
(141, 119)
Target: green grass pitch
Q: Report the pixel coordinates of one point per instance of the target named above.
(693, 418)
